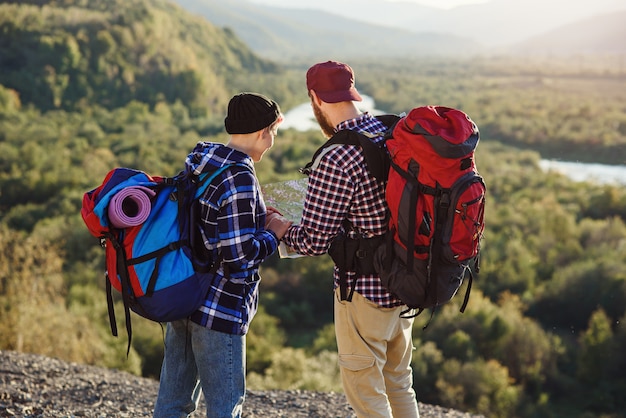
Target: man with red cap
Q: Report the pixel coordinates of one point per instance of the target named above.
(344, 200)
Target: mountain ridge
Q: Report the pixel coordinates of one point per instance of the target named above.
(569, 39)
(491, 23)
(290, 34)
(308, 33)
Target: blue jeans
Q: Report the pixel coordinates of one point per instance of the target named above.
(197, 358)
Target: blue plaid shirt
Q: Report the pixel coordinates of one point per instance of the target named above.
(232, 217)
(342, 188)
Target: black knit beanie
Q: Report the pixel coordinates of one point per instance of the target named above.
(250, 112)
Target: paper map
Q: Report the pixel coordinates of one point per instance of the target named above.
(288, 198)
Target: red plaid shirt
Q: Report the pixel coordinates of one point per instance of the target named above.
(342, 188)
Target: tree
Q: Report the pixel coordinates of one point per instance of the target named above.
(596, 360)
(481, 386)
(34, 316)
(596, 349)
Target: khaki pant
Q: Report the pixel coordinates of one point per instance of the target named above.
(375, 351)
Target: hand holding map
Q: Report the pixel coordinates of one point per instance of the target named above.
(286, 198)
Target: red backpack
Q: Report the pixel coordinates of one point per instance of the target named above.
(436, 200)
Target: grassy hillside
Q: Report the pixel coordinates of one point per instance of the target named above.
(67, 54)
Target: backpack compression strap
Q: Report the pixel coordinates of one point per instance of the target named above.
(126, 289)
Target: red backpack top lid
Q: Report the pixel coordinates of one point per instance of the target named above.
(440, 139)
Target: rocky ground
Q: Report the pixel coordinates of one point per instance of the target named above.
(37, 386)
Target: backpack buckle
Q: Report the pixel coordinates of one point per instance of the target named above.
(444, 201)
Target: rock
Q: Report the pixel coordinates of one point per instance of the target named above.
(34, 386)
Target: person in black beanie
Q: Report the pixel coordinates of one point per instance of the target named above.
(206, 352)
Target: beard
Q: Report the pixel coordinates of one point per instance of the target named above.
(327, 129)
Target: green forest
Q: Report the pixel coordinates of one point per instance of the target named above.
(90, 85)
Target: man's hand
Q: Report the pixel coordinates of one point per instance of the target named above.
(277, 223)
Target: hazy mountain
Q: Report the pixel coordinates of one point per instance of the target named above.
(492, 23)
(600, 34)
(287, 33)
(307, 30)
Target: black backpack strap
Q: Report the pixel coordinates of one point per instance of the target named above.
(110, 305)
(467, 292)
(344, 137)
(374, 153)
(389, 120)
(109, 293)
(343, 253)
(122, 272)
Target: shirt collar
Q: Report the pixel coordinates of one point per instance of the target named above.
(353, 124)
(365, 122)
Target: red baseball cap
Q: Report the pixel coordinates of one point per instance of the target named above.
(333, 82)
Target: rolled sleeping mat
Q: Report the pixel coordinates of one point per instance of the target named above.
(130, 206)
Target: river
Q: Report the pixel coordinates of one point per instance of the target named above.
(597, 173)
(301, 118)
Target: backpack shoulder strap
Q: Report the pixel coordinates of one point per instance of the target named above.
(389, 120)
(375, 154)
(205, 179)
(344, 137)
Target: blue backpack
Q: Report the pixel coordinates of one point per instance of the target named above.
(154, 257)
